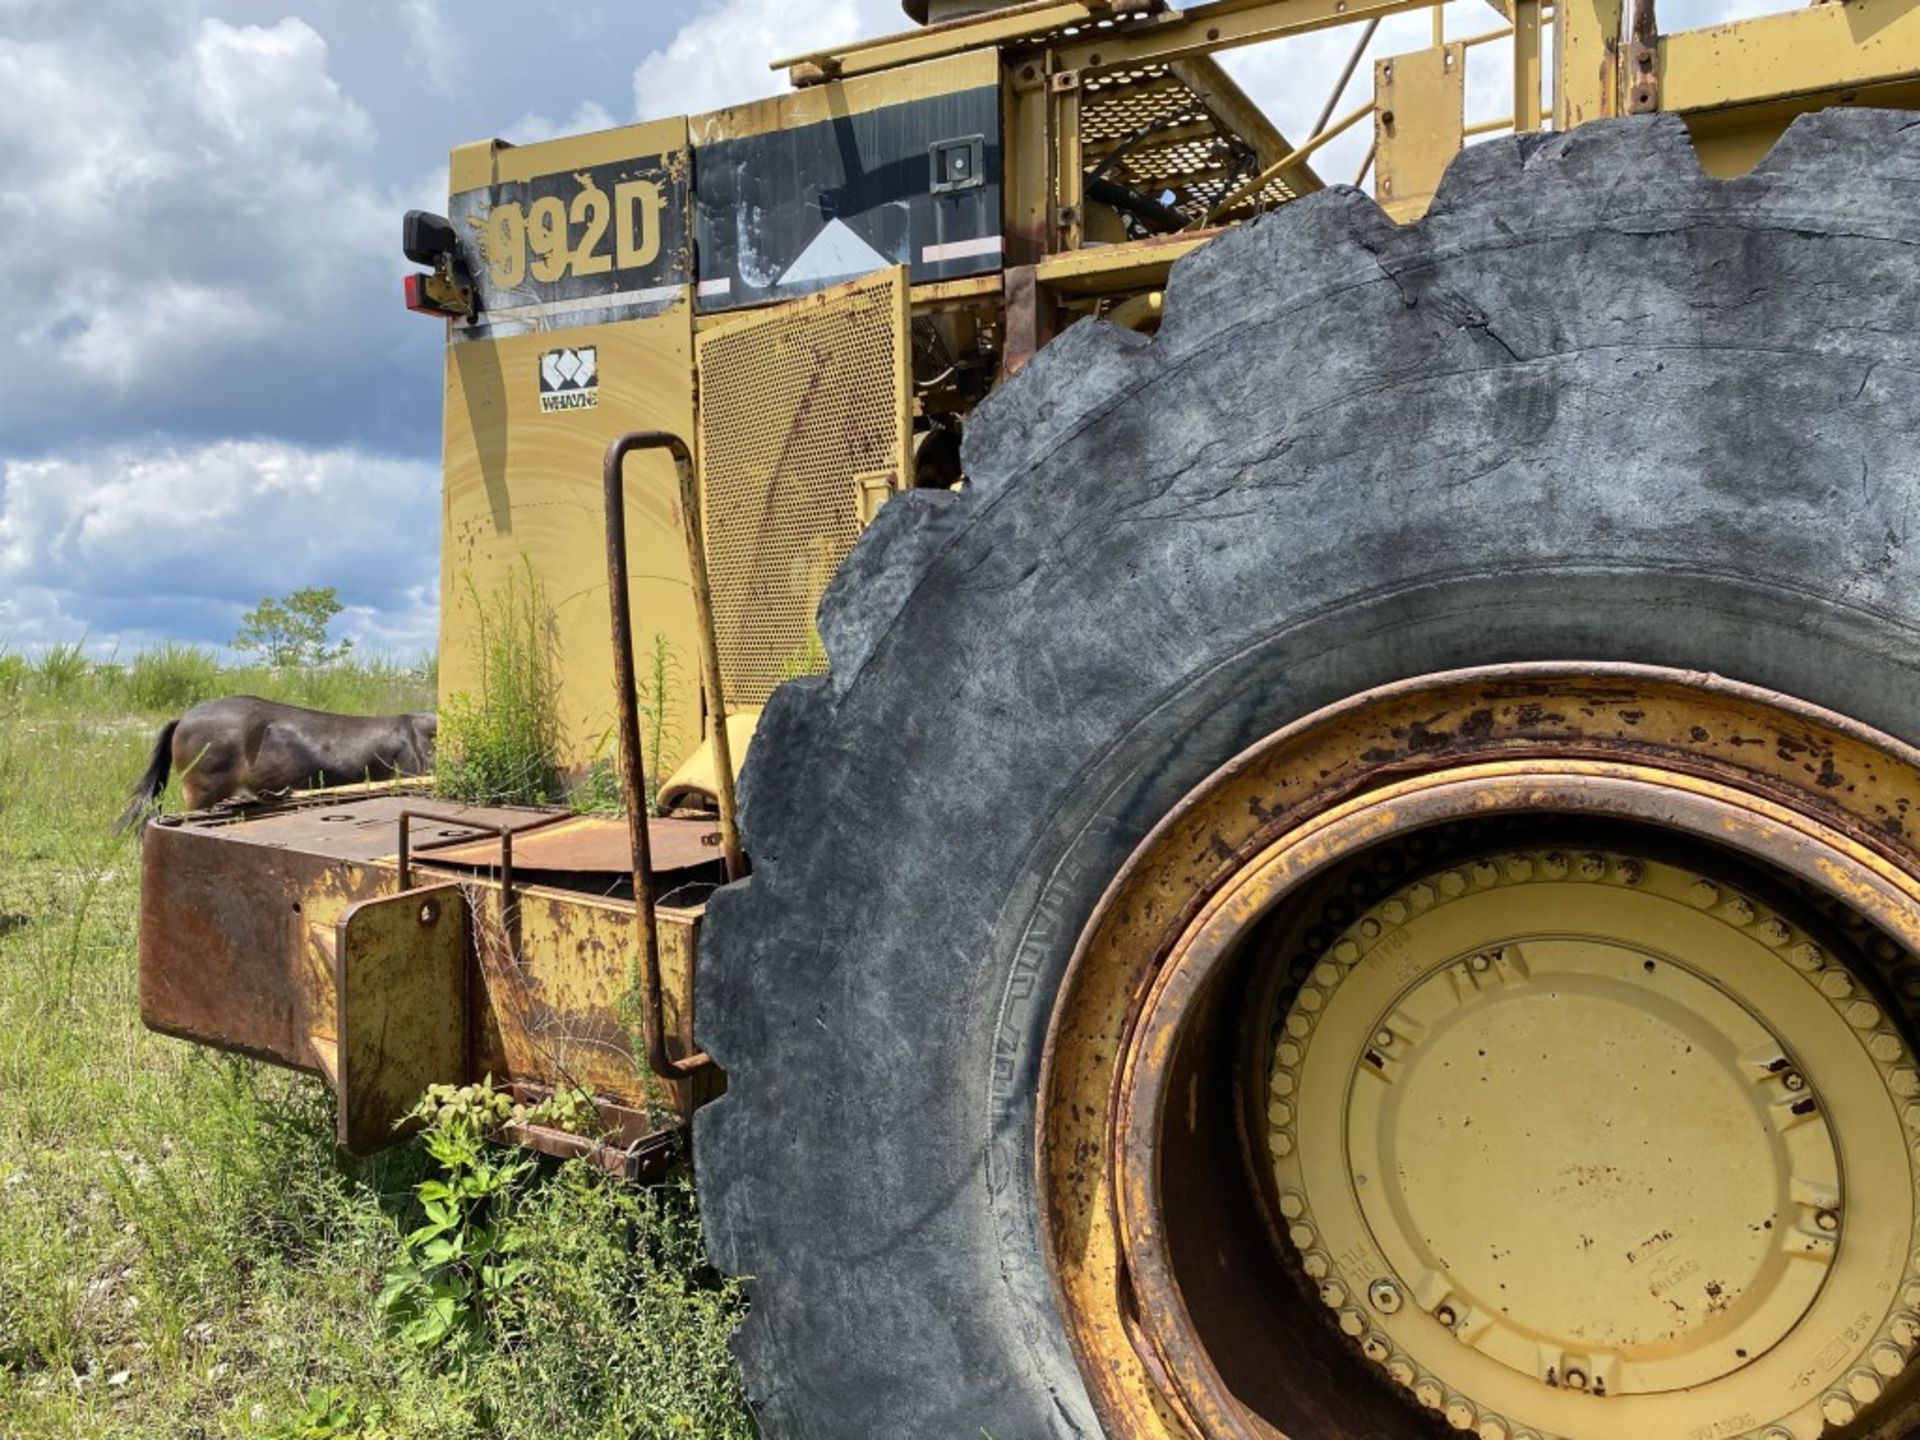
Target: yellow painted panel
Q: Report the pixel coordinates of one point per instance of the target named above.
(1420, 118)
(848, 97)
(1817, 50)
(496, 162)
(523, 488)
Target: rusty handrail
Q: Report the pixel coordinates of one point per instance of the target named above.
(407, 817)
(633, 778)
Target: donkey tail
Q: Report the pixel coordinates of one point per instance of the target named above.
(147, 790)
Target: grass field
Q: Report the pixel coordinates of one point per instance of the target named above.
(183, 1253)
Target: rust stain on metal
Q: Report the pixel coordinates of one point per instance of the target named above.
(241, 949)
(589, 845)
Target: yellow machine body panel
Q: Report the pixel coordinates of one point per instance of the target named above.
(522, 501)
(585, 259)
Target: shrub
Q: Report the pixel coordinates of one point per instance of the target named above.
(171, 678)
(61, 667)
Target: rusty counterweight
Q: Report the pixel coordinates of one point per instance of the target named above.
(287, 934)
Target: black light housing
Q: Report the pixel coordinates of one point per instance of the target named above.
(429, 240)
(426, 237)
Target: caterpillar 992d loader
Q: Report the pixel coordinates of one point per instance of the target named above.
(1350, 867)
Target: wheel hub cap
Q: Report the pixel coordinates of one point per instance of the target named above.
(1559, 1135)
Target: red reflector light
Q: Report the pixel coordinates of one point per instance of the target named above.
(417, 300)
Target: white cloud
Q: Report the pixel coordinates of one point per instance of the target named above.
(186, 225)
(721, 58)
(121, 541)
(267, 89)
(531, 129)
(436, 50)
(212, 392)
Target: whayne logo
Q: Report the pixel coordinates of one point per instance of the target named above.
(570, 379)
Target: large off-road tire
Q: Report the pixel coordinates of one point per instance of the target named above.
(1595, 407)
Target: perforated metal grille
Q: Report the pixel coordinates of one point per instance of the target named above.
(795, 403)
(1172, 142)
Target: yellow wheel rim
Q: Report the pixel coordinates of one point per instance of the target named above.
(1567, 1140)
(1177, 1263)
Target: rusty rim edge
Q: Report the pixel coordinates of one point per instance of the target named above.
(1731, 819)
(1516, 676)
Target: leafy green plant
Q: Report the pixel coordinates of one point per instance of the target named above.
(332, 1413)
(13, 673)
(598, 791)
(457, 1265)
(659, 686)
(291, 631)
(170, 678)
(810, 660)
(618, 1326)
(499, 747)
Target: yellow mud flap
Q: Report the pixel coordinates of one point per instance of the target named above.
(400, 972)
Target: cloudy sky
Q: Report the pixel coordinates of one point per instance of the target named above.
(211, 391)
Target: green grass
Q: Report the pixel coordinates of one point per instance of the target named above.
(183, 1252)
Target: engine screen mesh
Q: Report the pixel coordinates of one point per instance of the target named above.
(796, 403)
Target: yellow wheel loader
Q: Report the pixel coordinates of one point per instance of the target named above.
(1328, 831)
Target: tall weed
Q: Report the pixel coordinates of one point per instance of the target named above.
(170, 678)
(61, 667)
(500, 747)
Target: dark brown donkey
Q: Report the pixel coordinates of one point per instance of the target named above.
(245, 746)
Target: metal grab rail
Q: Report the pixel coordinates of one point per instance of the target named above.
(408, 816)
(632, 762)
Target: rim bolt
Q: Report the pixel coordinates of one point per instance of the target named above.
(1446, 1316)
(1384, 1296)
(1383, 1039)
(1794, 1080)
(1576, 1379)
(1828, 1220)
